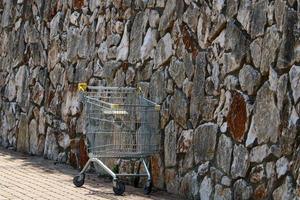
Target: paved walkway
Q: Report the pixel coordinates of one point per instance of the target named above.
(26, 177)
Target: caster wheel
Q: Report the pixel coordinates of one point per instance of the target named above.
(148, 188)
(120, 188)
(136, 182)
(79, 180)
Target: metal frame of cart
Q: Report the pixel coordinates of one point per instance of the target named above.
(119, 123)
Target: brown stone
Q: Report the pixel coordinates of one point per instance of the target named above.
(78, 4)
(237, 117)
(73, 159)
(260, 192)
(157, 171)
(83, 156)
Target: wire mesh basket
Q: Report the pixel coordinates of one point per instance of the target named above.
(119, 123)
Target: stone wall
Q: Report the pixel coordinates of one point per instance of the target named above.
(226, 72)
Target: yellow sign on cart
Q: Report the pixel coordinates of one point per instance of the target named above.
(82, 87)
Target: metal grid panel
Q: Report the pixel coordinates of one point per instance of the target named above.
(121, 123)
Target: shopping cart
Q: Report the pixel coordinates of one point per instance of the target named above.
(120, 123)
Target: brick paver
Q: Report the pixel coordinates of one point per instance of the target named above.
(26, 177)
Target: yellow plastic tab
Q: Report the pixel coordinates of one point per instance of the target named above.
(115, 106)
(82, 87)
(157, 107)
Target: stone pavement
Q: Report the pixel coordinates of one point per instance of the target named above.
(25, 177)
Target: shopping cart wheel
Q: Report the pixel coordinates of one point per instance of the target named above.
(79, 180)
(120, 188)
(148, 188)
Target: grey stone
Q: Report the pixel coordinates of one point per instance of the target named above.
(216, 174)
(259, 18)
(224, 152)
(185, 141)
(242, 190)
(222, 193)
(189, 67)
(256, 49)
(23, 135)
(204, 142)
(64, 140)
(198, 92)
(10, 89)
(173, 181)
(22, 82)
(190, 16)
(103, 52)
(285, 191)
(136, 36)
(7, 15)
(110, 68)
(232, 8)
(56, 25)
(187, 87)
(279, 12)
(257, 174)
(56, 75)
(204, 25)
(171, 132)
(149, 44)
(275, 150)
(207, 107)
(294, 76)
(282, 166)
(215, 76)
(270, 170)
(33, 141)
(172, 11)
(51, 148)
(286, 55)
(71, 104)
(273, 79)
(203, 168)
(113, 40)
(239, 48)
(130, 75)
(249, 79)
(244, 14)
(266, 120)
(87, 42)
(38, 93)
(72, 43)
(282, 90)
(178, 108)
(206, 188)
(189, 185)
(163, 51)
(144, 73)
(53, 54)
(259, 153)
(177, 72)
(226, 181)
(153, 18)
(231, 82)
(123, 48)
(270, 45)
(119, 27)
(74, 18)
(209, 86)
(157, 88)
(240, 163)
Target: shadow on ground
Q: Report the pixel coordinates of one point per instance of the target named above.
(93, 183)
